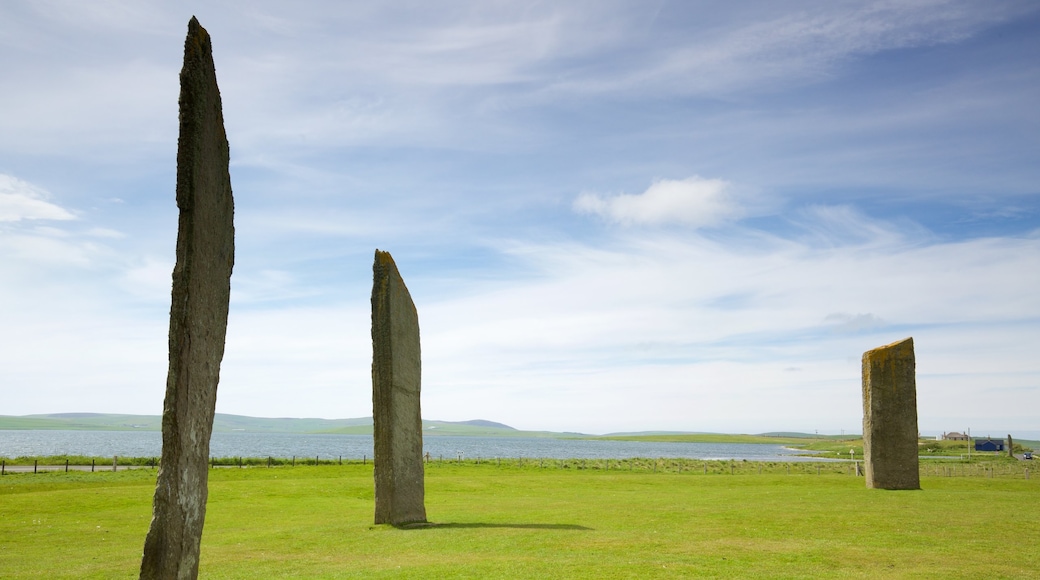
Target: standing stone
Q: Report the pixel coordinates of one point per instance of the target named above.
(198, 318)
(1011, 448)
(396, 414)
(890, 417)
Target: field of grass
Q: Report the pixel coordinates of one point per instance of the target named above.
(548, 519)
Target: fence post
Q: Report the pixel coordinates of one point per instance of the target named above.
(294, 461)
(364, 460)
(115, 462)
(341, 460)
(92, 465)
(34, 465)
(3, 469)
(66, 466)
(315, 460)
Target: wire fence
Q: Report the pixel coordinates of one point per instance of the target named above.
(991, 469)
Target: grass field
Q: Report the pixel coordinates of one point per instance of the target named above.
(540, 520)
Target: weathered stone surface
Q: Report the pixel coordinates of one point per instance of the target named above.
(198, 317)
(890, 417)
(1010, 447)
(397, 417)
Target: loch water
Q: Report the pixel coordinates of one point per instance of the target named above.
(15, 443)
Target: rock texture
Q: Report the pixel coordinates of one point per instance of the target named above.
(396, 369)
(198, 317)
(890, 417)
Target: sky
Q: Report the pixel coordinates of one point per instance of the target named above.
(611, 215)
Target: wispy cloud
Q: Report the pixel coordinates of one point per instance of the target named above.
(20, 200)
(818, 169)
(603, 322)
(845, 322)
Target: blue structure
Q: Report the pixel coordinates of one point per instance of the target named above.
(988, 445)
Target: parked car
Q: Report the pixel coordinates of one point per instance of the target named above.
(1027, 455)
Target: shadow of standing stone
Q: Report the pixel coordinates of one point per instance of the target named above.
(890, 417)
(396, 415)
(198, 317)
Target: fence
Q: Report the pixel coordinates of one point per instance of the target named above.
(989, 470)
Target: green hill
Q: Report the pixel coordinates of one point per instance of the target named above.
(226, 423)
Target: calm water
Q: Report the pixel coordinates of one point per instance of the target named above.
(149, 444)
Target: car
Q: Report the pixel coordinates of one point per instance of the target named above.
(1027, 455)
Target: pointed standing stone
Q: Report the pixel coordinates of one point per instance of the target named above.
(198, 318)
(890, 417)
(396, 414)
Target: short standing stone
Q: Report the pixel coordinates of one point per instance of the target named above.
(890, 417)
(397, 417)
(198, 317)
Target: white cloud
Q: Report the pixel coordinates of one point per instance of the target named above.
(347, 122)
(21, 200)
(830, 225)
(151, 279)
(693, 201)
(633, 332)
(107, 233)
(845, 322)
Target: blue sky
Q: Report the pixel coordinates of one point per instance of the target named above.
(612, 216)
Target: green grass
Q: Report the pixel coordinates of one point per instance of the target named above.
(548, 519)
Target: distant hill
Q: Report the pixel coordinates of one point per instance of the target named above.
(652, 433)
(483, 423)
(221, 423)
(797, 435)
(225, 423)
(474, 428)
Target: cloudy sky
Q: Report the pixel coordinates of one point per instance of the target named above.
(612, 215)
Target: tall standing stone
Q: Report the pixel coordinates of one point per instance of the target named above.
(397, 418)
(198, 317)
(890, 417)
(1011, 447)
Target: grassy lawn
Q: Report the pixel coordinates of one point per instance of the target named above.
(538, 522)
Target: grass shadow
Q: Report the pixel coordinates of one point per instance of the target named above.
(455, 525)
